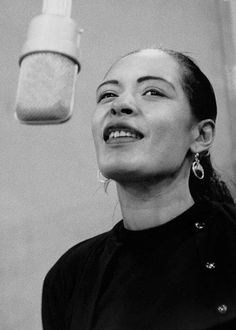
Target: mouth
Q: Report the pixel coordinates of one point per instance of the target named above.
(121, 134)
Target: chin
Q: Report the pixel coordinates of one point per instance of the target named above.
(115, 171)
(123, 173)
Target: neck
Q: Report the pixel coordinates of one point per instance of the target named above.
(145, 205)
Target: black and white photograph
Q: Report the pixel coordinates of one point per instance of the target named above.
(118, 165)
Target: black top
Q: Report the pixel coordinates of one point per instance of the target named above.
(180, 276)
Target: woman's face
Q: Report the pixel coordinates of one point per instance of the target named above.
(142, 125)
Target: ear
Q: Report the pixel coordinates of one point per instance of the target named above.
(204, 132)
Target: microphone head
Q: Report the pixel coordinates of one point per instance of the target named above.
(45, 93)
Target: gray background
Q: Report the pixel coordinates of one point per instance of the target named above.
(49, 195)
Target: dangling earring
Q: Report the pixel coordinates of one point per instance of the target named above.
(197, 168)
(102, 179)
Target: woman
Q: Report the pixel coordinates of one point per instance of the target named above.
(171, 262)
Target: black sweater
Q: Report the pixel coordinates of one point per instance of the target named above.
(177, 276)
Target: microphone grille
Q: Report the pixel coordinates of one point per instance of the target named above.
(46, 85)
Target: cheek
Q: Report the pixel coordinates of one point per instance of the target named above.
(96, 124)
(170, 132)
(95, 127)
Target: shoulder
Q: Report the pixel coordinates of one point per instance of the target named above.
(73, 259)
(65, 276)
(224, 212)
(69, 266)
(230, 211)
(222, 222)
(220, 219)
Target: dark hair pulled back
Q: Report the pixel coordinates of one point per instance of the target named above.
(202, 100)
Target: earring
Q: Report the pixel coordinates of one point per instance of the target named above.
(197, 168)
(103, 180)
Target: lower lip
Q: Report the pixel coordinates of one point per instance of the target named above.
(122, 140)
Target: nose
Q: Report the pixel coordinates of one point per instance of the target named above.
(122, 107)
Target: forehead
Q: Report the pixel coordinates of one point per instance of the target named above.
(147, 62)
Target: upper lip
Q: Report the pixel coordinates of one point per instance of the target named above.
(121, 127)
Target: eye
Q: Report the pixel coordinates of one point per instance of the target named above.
(153, 92)
(106, 95)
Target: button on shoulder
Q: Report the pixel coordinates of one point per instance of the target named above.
(222, 309)
(200, 225)
(210, 265)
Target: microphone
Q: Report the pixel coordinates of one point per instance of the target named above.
(49, 64)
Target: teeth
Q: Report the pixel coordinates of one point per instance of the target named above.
(118, 134)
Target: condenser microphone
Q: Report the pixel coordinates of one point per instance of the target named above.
(49, 64)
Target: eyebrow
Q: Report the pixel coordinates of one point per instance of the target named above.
(145, 78)
(139, 80)
(107, 82)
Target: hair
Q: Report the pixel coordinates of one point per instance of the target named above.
(202, 100)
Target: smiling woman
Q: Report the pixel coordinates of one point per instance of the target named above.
(171, 262)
